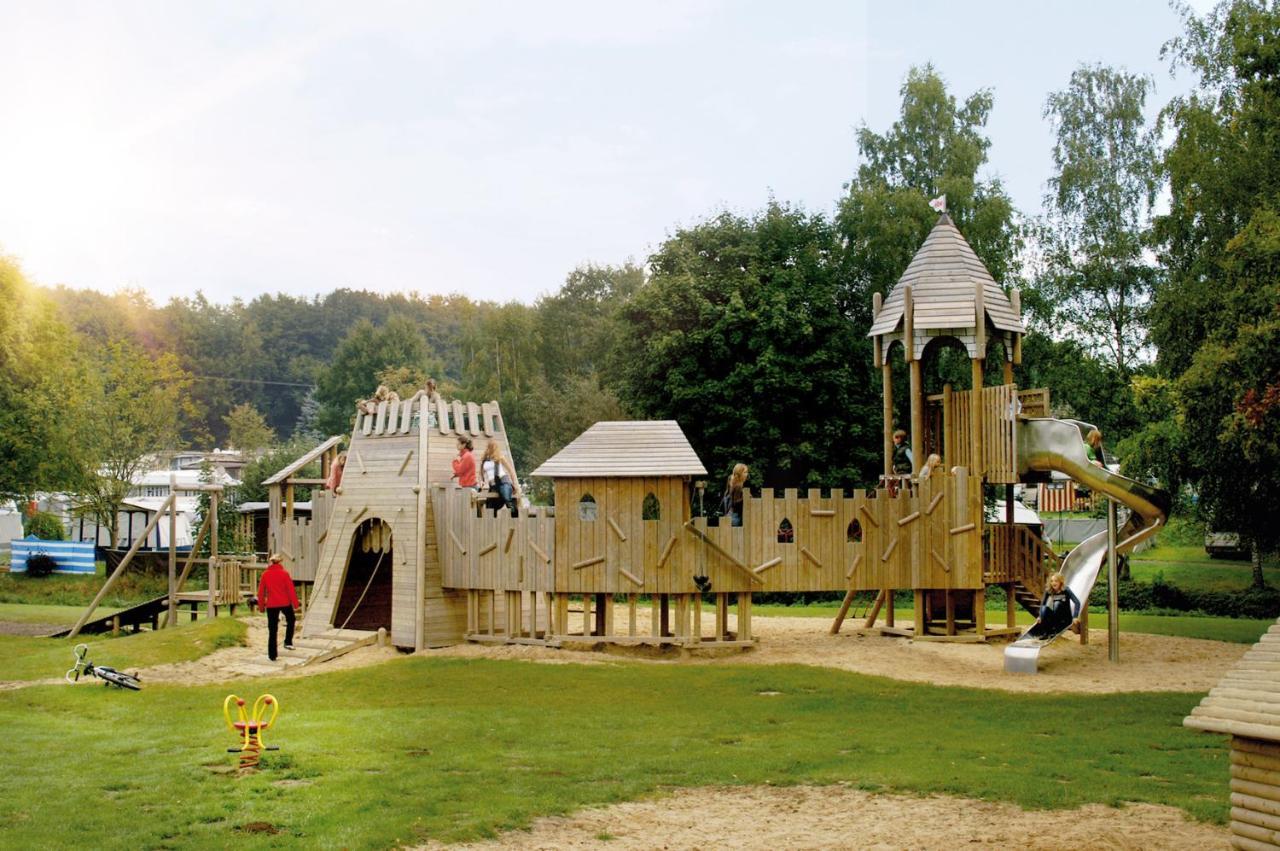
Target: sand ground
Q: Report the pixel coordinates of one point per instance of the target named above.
(762, 818)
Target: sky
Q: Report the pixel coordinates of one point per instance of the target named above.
(486, 149)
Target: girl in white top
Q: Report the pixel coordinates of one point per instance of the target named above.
(496, 474)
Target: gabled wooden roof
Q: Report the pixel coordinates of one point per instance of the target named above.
(1246, 702)
(625, 450)
(944, 277)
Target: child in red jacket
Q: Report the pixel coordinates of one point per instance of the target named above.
(276, 595)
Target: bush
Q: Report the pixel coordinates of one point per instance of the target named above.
(46, 526)
(40, 564)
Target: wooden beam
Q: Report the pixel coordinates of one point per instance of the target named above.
(857, 560)
(405, 463)
(761, 568)
(617, 529)
(587, 562)
(537, 549)
(635, 580)
(666, 551)
(511, 533)
(124, 563)
(889, 550)
(804, 551)
(360, 514)
(915, 515)
(728, 556)
(870, 517)
(488, 549)
(359, 461)
(934, 503)
(940, 560)
(457, 543)
(875, 610)
(844, 610)
(822, 512)
(968, 527)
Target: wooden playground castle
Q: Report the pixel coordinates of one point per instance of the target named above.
(400, 546)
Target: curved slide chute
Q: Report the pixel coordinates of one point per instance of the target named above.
(1048, 445)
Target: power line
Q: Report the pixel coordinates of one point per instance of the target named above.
(249, 381)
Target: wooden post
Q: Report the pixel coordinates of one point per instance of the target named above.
(722, 617)
(172, 614)
(665, 616)
(919, 612)
(948, 452)
(980, 611)
(917, 386)
(186, 568)
(419, 556)
(120, 568)
(844, 611)
(975, 421)
(697, 619)
(1010, 605)
(744, 616)
(886, 372)
(875, 611)
(213, 553)
(951, 612)
(888, 607)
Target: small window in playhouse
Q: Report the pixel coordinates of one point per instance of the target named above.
(786, 533)
(854, 533)
(652, 509)
(587, 507)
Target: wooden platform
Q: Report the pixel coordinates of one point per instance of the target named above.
(992, 633)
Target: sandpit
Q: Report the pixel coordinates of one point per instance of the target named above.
(800, 817)
(1147, 662)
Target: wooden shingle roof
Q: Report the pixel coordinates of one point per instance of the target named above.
(1246, 702)
(626, 449)
(944, 277)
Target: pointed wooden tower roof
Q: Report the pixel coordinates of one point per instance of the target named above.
(949, 285)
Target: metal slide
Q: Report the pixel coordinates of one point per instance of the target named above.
(1045, 444)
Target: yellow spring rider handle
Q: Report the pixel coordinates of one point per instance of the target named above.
(250, 724)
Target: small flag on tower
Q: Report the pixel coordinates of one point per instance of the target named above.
(939, 203)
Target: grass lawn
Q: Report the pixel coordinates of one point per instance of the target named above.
(36, 613)
(459, 749)
(1235, 630)
(69, 590)
(26, 658)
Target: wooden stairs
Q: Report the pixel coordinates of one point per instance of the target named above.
(1027, 597)
(313, 650)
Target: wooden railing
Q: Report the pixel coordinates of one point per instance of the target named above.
(948, 416)
(1018, 554)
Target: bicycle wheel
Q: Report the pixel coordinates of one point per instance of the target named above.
(121, 679)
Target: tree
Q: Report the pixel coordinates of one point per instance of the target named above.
(131, 406)
(247, 430)
(1216, 318)
(936, 147)
(367, 351)
(36, 354)
(578, 326)
(738, 335)
(1099, 210)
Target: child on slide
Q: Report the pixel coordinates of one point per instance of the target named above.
(1059, 609)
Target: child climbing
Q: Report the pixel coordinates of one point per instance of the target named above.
(335, 472)
(1059, 609)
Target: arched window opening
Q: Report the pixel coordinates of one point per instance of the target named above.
(652, 509)
(587, 508)
(854, 533)
(786, 533)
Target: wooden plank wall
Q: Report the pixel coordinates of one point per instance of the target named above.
(929, 536)
(999, 462)
(502, 553)
(377, 483)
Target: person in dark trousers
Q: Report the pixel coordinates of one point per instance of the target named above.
(276, 595)
(1059, 609)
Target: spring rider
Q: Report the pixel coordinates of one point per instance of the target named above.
(249, 727)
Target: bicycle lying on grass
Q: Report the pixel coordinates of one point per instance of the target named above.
(109, 676)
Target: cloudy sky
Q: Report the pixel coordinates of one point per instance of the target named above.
(483, 148)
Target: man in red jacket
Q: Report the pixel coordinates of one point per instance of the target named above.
(276, 595)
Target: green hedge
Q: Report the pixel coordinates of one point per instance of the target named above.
(1165, 596)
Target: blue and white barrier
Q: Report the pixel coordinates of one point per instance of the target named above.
(71, 556)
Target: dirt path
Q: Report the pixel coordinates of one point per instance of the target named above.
(807, 817)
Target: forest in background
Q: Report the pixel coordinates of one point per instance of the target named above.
(1157, 321)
